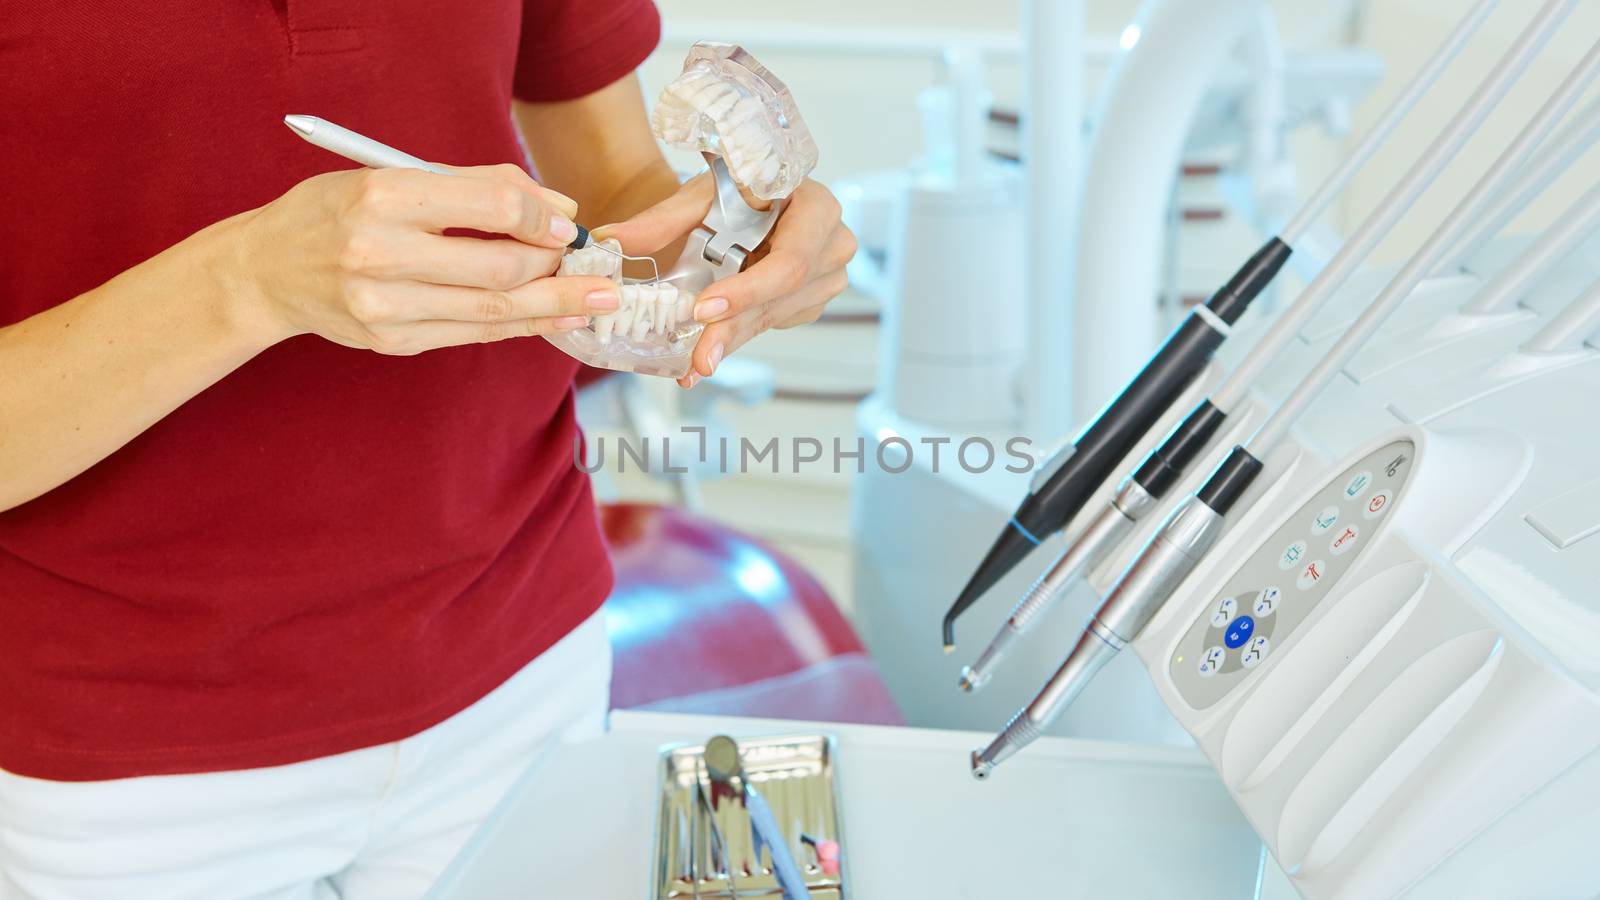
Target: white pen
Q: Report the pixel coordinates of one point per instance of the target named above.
(362, 149)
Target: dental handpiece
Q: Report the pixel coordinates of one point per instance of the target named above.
(359, 148)
(1065, 482)
(1165, 466)
(1194, 526)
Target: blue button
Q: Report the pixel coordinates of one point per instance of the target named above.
(1239, 632)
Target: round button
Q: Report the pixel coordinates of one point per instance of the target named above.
(1212, 661)
(1255, 653)
(1267, 602)
(1311, 575)
(1223, 611)
(1357, 485)
(1376, 505)
(1324, 520)
(1346, 540)
(1291, 555)
(1239, 632)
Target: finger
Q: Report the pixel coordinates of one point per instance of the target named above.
(721, 339)
(387, 303)
(665, 222)
(807, 225)
(485, 203)
(518, 178)
(462, 261)
(417, 337)
(827, 287)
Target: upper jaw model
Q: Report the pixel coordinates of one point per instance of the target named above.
(745, 123)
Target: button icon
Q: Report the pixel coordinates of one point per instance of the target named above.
(1267, 602)
(1376, 505)
(1212, 661)
(1357, 485)
(1255, 653)
(1324, 520)
(1311, 575)
(1291, 555)
(1239, 632)
(1394, 465)
(1224, 611)
(1345, 540)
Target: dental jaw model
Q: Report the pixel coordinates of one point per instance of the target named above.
(744, 122)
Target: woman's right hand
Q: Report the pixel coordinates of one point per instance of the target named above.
(360, 257)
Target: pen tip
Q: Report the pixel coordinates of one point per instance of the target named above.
(302, 124)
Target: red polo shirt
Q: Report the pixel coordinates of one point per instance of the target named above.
(329, 548)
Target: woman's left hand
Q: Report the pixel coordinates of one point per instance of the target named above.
(791, 278)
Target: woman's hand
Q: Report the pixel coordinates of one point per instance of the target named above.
(362, 258)
(792, 277)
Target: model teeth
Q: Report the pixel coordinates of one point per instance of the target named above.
(725, 103)
(647, 309)
(604, 258)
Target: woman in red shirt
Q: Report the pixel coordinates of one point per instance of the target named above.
(283, 480)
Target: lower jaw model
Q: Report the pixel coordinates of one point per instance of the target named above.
(648, 308)
(744, 122)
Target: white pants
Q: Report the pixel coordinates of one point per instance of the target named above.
(380, 822)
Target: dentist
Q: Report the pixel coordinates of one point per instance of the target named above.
(296, 574)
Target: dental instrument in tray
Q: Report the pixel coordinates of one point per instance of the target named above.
(376, 155)
(724, 802)
(726, 770)
(1188, 534)
(1065, 482)
(745, 123)
(1164, 467)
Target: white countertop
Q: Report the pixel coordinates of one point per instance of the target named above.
(1066, 818)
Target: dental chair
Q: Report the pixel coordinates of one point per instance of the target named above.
(705, 619)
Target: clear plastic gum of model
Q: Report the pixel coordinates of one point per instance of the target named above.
(744, 122)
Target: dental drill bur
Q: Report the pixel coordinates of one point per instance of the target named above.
(1194, 527)
(1065, 482)
(362, 149)
(1139, 492)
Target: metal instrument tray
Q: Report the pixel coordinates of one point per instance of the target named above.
(704, 855)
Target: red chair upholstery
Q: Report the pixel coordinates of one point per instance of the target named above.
(704, 619)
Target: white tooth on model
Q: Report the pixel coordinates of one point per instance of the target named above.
(719, 107)
(667, 299)
(643, 311)
(685, 310)
(624, 315)
(602, 326)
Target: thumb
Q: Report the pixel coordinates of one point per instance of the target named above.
(663, 223)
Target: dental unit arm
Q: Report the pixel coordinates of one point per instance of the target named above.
(1066, 481)
(745, 123)
(1164, 467)
(1194, 526)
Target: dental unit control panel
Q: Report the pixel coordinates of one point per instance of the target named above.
(1288, 576)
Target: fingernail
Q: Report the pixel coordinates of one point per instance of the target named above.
(563, 229)
(692, 379)
(567, 323)
(714, 358)
(706, 310)
(603, 232)
(602, 301)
